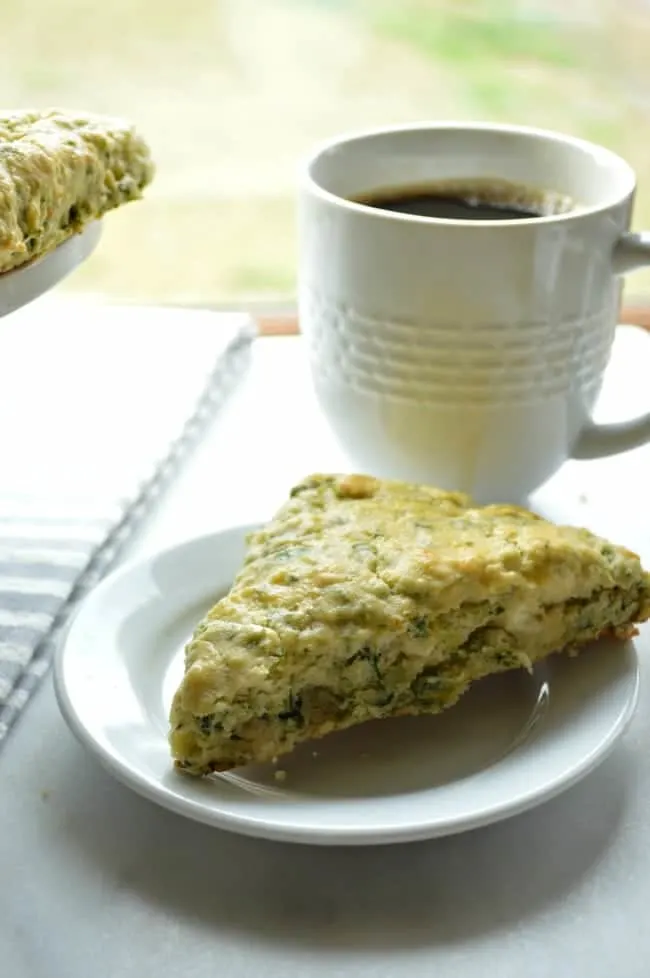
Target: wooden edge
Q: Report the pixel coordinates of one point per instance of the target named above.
(288, 325)
(636, 316)
(278, 325)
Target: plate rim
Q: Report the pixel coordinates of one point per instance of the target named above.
(25, 283)
(154, 791)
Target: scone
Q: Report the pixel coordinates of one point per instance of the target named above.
(366, 598)
(59, 171)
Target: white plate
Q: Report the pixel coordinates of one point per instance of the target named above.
(27, 282)
(511, 743)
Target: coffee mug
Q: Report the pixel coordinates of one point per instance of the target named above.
(462, 353)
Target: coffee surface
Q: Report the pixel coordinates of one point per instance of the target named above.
(469, 200)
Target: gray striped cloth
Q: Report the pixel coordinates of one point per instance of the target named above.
(99, 406)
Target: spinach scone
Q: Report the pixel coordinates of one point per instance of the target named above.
(59, 171)
(366, 598)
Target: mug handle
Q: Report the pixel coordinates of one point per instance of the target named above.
(631, 251)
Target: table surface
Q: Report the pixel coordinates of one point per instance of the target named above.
(94, 880)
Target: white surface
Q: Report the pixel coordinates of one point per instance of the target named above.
(27, 282)
(512, 743)
(468, 354)
(135, 371)
(96, 880)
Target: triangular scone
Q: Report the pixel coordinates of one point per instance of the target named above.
(366, 598)
(60, 170)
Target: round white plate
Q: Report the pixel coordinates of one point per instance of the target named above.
(29, 281)
(512, 742)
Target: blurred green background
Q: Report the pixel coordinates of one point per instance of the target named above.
(232, 93)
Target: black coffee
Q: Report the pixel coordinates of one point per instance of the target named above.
(469, 200)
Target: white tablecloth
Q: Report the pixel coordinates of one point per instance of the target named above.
(95, 881)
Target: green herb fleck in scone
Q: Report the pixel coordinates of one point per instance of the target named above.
(366, 598)
(59, 171)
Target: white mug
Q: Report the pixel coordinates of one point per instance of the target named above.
(465, 354)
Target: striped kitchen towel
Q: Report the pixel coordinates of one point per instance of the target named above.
(99, 405)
